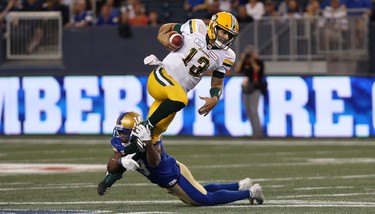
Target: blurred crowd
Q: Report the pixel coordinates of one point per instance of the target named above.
(80, 13)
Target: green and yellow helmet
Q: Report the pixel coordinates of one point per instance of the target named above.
(228, 23)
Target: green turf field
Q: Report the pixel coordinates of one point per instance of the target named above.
(298, 176)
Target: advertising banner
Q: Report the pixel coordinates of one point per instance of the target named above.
(320, 106)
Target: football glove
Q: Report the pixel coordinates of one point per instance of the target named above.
(128, 163)
(143, 133)
(135, 145)
(117, 144)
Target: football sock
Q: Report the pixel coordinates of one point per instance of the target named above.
(217, 187)
(108, 181)
(166, 108)
(226, 196)
(111, 178)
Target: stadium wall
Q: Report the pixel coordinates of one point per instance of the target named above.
(102, 51)
(92, 51)
(372, 48)
(295, 106)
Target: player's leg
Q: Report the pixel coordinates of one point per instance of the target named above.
(115, 170)
(216, 187)
(162, 126)
(243, 184)
(253, 113)
(114, 173)
(191, 192)
(169, 99)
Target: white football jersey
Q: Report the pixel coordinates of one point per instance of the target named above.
(189, 64)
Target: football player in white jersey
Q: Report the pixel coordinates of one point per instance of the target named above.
(205, 50)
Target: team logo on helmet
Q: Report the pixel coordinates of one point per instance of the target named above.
(125, 124)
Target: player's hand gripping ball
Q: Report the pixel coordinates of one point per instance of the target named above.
(176, 39)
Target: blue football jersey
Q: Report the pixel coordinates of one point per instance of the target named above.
(166, 174)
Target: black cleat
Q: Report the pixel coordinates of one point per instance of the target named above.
(108, 181)
(103, 188)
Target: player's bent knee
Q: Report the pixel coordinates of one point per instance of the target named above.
(176, 105)
(178, 96)
(185, 101)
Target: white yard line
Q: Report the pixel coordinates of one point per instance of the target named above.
(327, 195)
(26, 168)
(295, 205)
(67, 186)
(302, 162)
(316, 178)
(243, 203)
(14, 211)
(193, 140)
(152, 212)
(14, 183)
(91, 202)
(319, 188)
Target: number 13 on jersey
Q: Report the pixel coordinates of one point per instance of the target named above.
(194, 70)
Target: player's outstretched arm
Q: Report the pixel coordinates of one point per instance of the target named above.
(153, 154)
(215, 92)
(152, 151)
(112, 165)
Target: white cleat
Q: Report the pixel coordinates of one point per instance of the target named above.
(257, 194)
(245, 184)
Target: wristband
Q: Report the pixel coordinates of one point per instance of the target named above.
(215, 92)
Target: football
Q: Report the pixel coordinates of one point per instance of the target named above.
(177, 40)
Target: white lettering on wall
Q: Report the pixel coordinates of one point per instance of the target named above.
(9, 106)
(121, 94)
(75, 104)
(373, 104)
(42, 115)
(80, 117)
(326, 107)
(281, 106)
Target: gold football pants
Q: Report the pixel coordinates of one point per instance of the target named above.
(161, 86)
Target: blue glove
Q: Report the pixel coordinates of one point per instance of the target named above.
(117, 144)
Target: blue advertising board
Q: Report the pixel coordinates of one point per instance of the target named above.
(312, 106)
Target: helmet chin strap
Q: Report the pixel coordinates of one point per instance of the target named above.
(220, 44)
(217, 44)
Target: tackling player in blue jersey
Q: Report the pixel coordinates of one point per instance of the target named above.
(163, 170)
